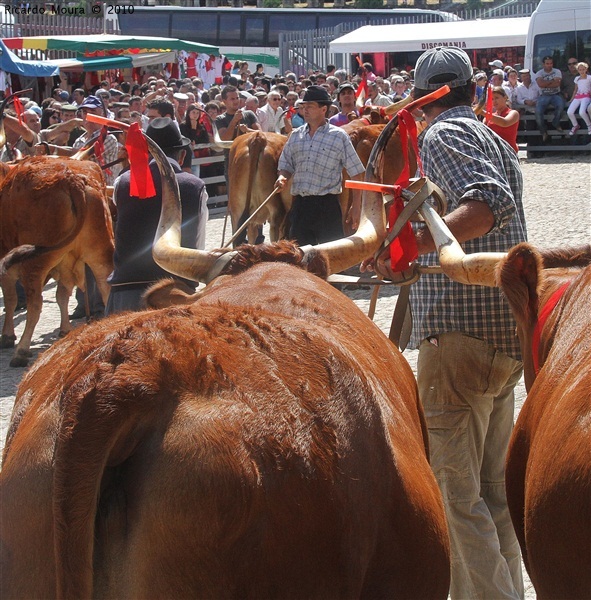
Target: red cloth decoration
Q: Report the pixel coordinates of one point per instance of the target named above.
(19, 109)
(489, 100)
(403, 249)
(99, 146)
(141, 184)
(542, 318)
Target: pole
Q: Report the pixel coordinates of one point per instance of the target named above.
(245, 224)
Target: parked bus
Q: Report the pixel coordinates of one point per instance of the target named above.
(252, 34)
(561, 30)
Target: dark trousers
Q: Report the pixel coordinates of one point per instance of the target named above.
(316, 219)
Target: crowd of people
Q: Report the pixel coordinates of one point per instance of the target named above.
(469, 359)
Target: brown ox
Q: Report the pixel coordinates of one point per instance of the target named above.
(548, 475)
(55, 218)
(252, 171)
(264, 442)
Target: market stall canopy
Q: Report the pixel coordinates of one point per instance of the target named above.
(103, 42)
(469, 35)
(10, 63)
(104, 63)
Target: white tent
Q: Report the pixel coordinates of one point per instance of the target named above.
(417, 37)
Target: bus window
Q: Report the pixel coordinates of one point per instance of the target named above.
(560, 46)
(281, 23)
(145, 24)
(254, 30)
(334, 20)
(195, 27)
(229, 29)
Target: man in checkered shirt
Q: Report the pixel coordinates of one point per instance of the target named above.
(469, 357)
(315, 155)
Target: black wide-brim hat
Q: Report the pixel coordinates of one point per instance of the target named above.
(316, 93)
(166, 134)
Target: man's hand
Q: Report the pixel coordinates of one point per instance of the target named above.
(281, 182)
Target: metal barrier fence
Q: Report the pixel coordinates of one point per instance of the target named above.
(218, 202)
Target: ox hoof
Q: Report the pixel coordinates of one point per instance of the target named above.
(63, 333)
(20, 359)
(7, 341)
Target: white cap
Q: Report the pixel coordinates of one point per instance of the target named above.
(498, 64)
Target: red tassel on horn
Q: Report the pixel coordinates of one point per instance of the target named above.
(141, 184)
(19, 109)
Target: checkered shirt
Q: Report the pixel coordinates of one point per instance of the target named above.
(317, 162)
(470, 162)
(110, 154)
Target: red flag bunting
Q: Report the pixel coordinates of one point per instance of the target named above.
(141, 184)
(489, 100)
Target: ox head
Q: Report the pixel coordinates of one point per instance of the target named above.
(205, 266)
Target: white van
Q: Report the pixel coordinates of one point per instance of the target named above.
(560, 29)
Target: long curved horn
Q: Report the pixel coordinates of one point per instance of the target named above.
(349, 251)
(470, 269)
(392, 109)
(167, 251)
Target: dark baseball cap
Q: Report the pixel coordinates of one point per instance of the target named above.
(345, 86)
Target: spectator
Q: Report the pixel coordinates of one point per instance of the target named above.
(28, 131)
(581, 99)
(137, 221)
(497, 77)
(481, 82)
(567, 86)
(399, 90)
(549, 80)
(275, 121)
(375, 97)
(510, 86)
(193, 128)
(346, 100)
(496, 65)
(297, 120)
(368, 71)
(315, 156)
(469, 358)
(504, 120)
(527, 93)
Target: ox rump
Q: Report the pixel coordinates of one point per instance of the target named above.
(265, 441)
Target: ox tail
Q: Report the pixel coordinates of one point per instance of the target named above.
(97, 434)
(79, 209)
(256, 146)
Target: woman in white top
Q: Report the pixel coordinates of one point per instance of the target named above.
(581, 98)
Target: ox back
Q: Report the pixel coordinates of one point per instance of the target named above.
(264, 442)
(548, 475)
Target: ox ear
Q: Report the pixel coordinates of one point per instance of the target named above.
(374, 117)
(518, 275)
(169, 292)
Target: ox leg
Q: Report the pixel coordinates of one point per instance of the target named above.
(62, 296)
(10, 301)
(22, 352)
